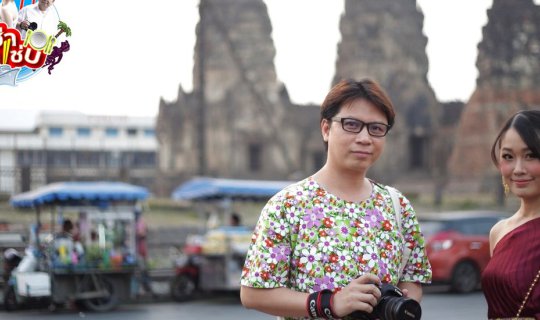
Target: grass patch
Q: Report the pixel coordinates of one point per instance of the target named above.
(455, 202)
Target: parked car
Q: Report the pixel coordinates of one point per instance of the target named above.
(457, 245)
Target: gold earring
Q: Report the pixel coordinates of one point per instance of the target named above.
(505, 186)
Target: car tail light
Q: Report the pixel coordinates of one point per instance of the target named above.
(439, 245)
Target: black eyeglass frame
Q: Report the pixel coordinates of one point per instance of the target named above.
(362, 125)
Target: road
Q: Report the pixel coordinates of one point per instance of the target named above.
(437, 304)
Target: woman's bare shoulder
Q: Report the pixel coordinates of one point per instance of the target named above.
(497, 232)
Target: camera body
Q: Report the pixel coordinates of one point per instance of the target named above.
(33, 26)
(391, 306)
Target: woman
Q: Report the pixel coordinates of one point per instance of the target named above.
(9, 13)
(511, 278)
(336, 230)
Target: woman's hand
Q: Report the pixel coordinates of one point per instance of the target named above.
(362, 294)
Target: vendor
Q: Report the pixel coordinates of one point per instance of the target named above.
(235, 220)
(12, 258)
(141, 233)
(66, 249)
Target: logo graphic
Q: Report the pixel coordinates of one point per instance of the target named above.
(32, 42)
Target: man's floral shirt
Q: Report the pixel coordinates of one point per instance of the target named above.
(308, 240)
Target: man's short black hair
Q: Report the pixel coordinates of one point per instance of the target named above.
(67, 226)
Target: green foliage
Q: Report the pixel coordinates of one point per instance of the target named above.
(93, 254)
(64, 28)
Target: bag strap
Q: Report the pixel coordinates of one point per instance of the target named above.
(528, 293)
(394, 195)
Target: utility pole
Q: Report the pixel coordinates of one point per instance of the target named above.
(201, 114)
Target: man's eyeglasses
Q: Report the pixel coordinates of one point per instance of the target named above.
(375, 129)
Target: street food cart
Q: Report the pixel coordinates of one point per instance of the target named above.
(213, 261)
(99, 274)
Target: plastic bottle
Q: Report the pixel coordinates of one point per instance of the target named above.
(62, 251)
(74, 258)
(106, 258)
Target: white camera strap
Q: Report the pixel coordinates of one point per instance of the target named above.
(394, 195)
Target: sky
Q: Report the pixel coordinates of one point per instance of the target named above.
(123, 60)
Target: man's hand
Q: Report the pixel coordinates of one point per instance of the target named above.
(362, 294)
(24, 24)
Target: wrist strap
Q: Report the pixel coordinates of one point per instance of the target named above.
(311, 304)
(319, 305)
(326, 305)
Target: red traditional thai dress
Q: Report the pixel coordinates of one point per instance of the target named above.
(510, 272)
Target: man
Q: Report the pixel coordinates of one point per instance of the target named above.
(12, 258)
(141, 232)
(67, 245)
(42, 14)
(235, 221)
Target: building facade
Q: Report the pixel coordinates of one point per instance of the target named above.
(68, 146)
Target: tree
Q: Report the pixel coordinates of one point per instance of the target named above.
(63, 27)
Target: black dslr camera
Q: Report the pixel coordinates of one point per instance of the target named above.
(391, 306)
(31, 26)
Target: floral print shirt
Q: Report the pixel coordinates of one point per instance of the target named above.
(308, 240)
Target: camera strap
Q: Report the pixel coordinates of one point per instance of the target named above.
(394, 195)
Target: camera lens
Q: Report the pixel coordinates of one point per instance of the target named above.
(398, 308)
(392, 306)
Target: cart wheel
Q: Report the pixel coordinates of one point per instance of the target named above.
(10, 300)
(183, 288)
(96, 283)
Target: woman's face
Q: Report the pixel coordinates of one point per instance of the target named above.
(353, 151)
(519, 168)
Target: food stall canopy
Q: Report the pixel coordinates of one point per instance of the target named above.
(203, 188)
(97, 192)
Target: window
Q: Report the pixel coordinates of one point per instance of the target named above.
(88, 159)
(111, 132)
(31, 158)
(59, 159)
(131, 132)
(149, 133)
(138, 159)
(83, 132)
(112, 159)
(56, 132)
(254, 157)
(144, 159)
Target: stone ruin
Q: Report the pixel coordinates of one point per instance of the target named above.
(509, 80)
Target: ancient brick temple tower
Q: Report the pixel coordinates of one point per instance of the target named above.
(383, 40)
(509, 80)
(238, 122)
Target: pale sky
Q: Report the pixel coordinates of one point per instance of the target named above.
(122, 60)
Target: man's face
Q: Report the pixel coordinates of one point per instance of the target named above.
(44, 4)
(354, 152)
